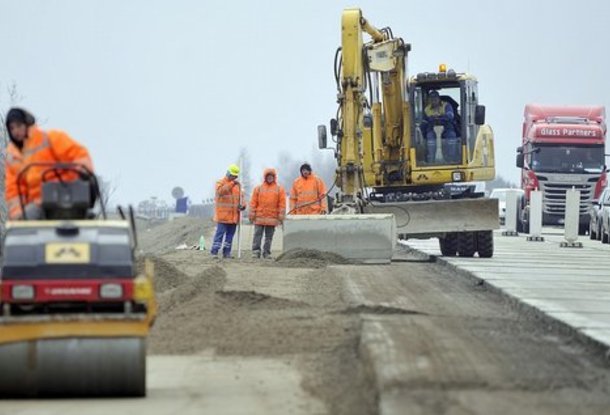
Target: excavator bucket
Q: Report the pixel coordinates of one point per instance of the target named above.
(436, 217)
(362, 238)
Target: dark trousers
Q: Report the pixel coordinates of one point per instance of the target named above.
(226, 231)
(259, 230)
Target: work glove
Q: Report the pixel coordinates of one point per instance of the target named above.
(241, 207)
(252, 218)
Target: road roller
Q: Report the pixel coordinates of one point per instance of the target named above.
(74, 310)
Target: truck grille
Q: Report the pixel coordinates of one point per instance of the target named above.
(554, 197)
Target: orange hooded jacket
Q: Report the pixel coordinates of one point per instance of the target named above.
(308, 196)
(39, 147)
(268, 202)
(226, 209)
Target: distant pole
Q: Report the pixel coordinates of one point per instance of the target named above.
(239, 224)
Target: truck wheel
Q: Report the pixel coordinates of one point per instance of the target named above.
(604, 237)
(592, 235)
(466, 244)
(582, 229)
(449, 244)
(485, 243)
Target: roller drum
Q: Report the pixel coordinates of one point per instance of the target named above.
(74, 367)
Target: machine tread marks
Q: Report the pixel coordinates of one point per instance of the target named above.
(467, 245)
(449, 244)
(485, 243)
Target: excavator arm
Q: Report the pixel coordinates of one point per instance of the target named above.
(369, 141)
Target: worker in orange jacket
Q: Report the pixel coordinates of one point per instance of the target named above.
(227, 210)
(29, 144)
(308, 194)
(267, 210)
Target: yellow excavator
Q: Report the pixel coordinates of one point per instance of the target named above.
(409, 152)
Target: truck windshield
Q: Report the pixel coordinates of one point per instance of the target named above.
(568, 159)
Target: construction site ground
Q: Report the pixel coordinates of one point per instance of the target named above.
(312, 334)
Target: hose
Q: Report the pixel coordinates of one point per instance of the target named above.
(315, 201)
(338, 60)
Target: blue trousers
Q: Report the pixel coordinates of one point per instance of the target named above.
(226, 231)
(450, 142)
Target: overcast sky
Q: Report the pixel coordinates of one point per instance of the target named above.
(165, 93)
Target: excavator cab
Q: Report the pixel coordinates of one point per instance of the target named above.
(441, 141)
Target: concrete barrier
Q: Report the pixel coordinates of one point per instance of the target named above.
(572, 217)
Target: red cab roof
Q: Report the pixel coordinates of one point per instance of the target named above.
(537, 112)
(550, 123)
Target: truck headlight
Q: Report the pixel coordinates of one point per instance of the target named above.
(111, 290)
(22, 292)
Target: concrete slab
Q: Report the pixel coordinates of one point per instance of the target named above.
(572, 305)
(593, 285)
(584, 320)
(601, 335)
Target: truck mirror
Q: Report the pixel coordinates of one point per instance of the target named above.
(322, 137)
(333, 127)
(479, 115)
(520, 160)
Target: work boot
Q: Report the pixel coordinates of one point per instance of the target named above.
(256, 254)
(215, 256)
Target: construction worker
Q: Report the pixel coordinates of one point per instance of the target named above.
(308, 194)
(227, 211)
(439, 112)
(29, 144)
(267, 210)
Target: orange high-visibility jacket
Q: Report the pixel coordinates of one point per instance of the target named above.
(268, 202)
(226, 201)
(39, 147)
(308, 196)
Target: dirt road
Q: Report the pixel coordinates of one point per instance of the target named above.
(276, 337)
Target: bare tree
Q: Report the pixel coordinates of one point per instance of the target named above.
(322, 163)
(246, 168)
(107, 190)
(9, 96)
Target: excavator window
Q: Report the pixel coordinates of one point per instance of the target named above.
(438, 123)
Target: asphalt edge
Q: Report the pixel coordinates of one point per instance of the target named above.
(529, 311)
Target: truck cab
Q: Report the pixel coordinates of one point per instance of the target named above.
(562, 148)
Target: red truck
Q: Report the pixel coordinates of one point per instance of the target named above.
(562, 148)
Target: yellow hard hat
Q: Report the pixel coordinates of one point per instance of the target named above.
(233, 170)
